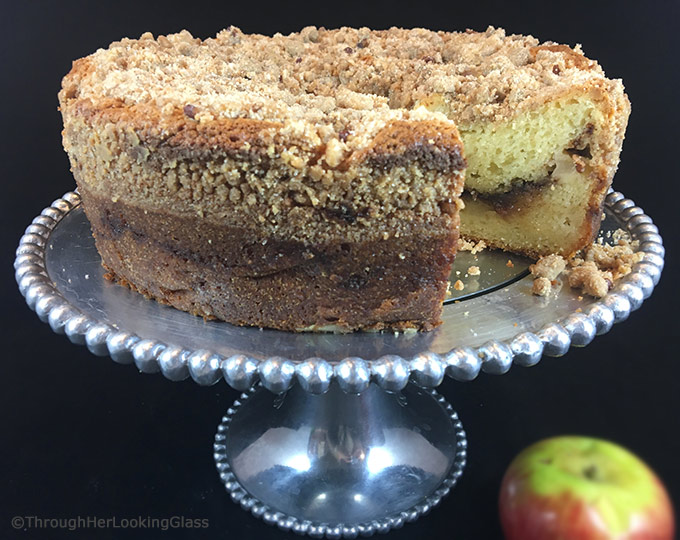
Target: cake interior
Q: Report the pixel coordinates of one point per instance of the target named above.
(529, 184)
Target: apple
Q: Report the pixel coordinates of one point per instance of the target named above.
(583, 488)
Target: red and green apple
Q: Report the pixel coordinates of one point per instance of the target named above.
(583, 488)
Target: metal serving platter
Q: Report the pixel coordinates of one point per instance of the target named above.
(492, 323)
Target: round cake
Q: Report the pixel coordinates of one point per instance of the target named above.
(314, 181)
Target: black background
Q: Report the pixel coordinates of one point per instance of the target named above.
(84, 436)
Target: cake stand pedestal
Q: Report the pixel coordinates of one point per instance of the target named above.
(340, 464)
(336, 435)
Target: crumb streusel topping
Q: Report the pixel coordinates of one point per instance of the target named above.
(342, 84)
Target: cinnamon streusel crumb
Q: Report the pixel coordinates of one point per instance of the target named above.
(548, 267)
(594, 270)
(471, 246)
(541, 286)
(590, 279)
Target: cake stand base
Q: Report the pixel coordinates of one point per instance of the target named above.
(338, 464)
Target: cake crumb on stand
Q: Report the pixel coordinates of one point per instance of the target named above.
(594, 269)
(471, 246)
(541, 286)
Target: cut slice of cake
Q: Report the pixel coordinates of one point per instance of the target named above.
(313, 181)
(542, 129)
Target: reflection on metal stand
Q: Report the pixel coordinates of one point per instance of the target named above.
(340, 464)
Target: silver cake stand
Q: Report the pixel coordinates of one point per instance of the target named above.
(335, 435)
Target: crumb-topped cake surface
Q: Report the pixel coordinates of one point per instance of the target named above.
(334, 78)
(323, 171)
(320, 100)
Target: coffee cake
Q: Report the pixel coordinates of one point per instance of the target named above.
(313, 181)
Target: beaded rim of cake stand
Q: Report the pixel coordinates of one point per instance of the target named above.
(353, 374)
(335, 530)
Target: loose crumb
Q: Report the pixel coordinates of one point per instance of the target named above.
(618, 259)
(474, 271)
(541, 286)
(509, 264)
(459, 285)
(548, 267)
(591, 279)
(471, 246)
(594, 269)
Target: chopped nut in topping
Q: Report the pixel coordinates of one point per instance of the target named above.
(190, 110)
